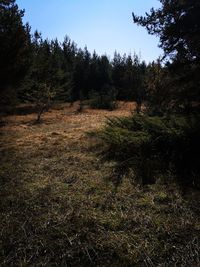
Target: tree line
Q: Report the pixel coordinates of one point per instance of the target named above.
(39, 70)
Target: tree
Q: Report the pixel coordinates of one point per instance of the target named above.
(39, 86)
(60, 71)
(78, 76)
(157, 88)
(81, 74)
(94, 74)
(102, 93)
(118, 70)
(104, 72)
(139, 71)
(178, 26)
(14, 49)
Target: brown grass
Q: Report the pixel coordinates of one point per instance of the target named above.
(59, 209)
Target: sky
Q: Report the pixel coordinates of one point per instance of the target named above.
(101, 25)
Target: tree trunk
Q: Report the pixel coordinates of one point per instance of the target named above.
(41, 110)
(138, 107)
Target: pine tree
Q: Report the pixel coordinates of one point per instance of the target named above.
(178, 26)
(38, 86)
(14, 49)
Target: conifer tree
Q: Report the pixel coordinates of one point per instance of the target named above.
(14, 49)
(178, 26)
(38, 86)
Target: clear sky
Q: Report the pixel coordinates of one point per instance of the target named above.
(101, 25)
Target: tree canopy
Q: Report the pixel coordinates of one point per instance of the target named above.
(178, 26)
(14, 45)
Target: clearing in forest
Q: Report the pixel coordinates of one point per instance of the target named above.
(58, 207)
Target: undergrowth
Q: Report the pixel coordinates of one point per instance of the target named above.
(152, 148)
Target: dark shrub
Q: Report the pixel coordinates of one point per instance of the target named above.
(155, 146)
(105, 99)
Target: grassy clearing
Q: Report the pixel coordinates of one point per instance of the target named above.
(59, 209)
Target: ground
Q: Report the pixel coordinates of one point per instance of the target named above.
(59, 207)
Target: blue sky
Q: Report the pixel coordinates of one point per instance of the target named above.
(103, 25)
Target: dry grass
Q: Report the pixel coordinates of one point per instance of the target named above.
(59, 209)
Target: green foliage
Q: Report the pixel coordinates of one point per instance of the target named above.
(42, 97)
(158, 90)
(102, 102)
(154, 146)
(174, 24)
(39, 85)
(128, 76)
(177, 24)
(14, 50)
(28, 62)
(106, 99)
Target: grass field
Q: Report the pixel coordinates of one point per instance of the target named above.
(59, 208)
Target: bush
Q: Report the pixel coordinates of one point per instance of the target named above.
(103, 102)
(106, 99)
(152, 147)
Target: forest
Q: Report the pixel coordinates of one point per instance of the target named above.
(100, 156)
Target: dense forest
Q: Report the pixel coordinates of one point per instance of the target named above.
(110, 194)
(41, 71)
(37, 70)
